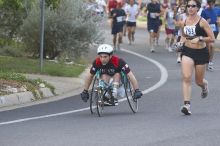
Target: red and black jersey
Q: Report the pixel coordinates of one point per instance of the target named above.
(115, 65)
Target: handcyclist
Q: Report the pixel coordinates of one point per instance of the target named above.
(110, 66)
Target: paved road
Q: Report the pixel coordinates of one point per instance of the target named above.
(159, 122)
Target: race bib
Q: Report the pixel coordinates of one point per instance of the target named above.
(119, 19)
(170, 14)
(152, 15)
(213, 27)
(190, 30)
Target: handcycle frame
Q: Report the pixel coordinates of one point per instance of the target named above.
(100, 89)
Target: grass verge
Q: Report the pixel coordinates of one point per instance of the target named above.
(26, 65)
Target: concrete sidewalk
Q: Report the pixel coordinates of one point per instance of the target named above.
(64, 87)
(62, 84)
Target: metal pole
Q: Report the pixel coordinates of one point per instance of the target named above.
(42, 35)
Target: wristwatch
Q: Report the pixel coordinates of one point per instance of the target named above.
(200, 38)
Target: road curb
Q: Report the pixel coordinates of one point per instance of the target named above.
(23, 97)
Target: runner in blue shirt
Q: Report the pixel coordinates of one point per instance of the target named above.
(154, 10)
(211, 14)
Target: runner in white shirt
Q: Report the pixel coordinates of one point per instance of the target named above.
(132, 11)
(125, 4)
(181, 16)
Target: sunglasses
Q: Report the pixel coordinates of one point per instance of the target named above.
(192, 6)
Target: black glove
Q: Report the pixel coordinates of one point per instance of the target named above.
(85, 95)
(137, 94)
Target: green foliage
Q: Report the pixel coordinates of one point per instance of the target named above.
(12, 76)
(70, 29)
(12, 13)
(52, 3)
(15, 49)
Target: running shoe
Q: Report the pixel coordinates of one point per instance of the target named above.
(186, 109)
(210, 66)
(170, 49)
(178, 60)
(205, 90)
(109, 102)
(152, 50)
(115, 101)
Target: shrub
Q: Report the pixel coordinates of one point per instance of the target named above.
(70, 29)
(14, 51)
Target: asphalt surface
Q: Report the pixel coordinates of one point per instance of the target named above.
(159, 121)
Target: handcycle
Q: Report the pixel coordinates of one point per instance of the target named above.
(101, 91)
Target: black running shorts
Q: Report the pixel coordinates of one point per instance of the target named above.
(199, 56)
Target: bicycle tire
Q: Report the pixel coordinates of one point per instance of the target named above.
(93, 99)
(133, 103)
(99, 103)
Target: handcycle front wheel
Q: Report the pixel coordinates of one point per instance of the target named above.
(99, 103)
(133, 103)
(96, 99)
(93, 94)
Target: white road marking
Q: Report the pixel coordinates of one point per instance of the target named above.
(163, 79)
(163, 71)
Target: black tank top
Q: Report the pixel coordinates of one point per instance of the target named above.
(192, 31)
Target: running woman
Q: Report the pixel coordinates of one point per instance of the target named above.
(195, 55)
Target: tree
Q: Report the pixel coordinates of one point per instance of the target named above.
(69, 29)
(12, 13)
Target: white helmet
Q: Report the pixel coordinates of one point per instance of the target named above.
(105, 48)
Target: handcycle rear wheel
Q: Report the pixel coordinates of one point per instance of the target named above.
(133, 103)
